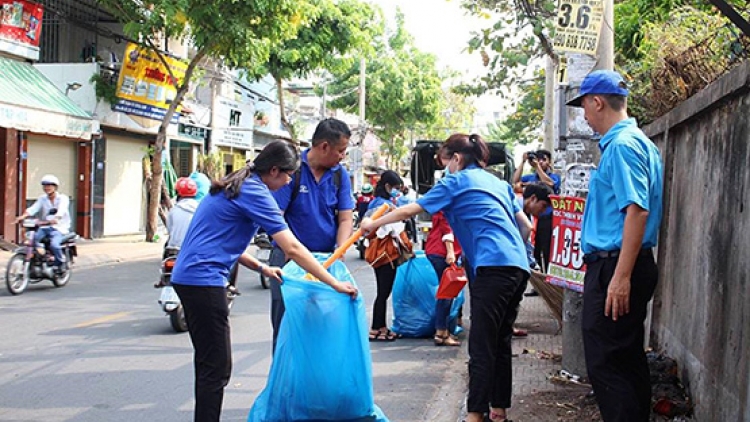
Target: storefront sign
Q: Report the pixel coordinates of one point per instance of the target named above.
(578, 26)
(234, 124)
(566, 266)
(20, 28)
(145, 86)
(195, 133)
(40, 121)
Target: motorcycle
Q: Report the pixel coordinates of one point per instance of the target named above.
(28, 265)
(168, 298)
(263, 254)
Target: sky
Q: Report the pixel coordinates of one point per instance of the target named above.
(441, 27)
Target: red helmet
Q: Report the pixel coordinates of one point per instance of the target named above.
(186, 187)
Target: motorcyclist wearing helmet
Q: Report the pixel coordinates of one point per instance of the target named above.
(364, 200)
(179, 217)
(54, 220)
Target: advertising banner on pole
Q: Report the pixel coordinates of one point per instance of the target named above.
(20, 28)
(145, 86)
(578, 25)
(566, 266)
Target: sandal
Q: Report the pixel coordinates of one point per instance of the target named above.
(446, 340)
(493, 417)
(387, 335)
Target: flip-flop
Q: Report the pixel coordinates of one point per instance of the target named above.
(387, 335)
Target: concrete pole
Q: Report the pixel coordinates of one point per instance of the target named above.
(573, 356)
(549, 104)
(362, 91)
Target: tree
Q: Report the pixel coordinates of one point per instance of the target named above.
(330, 40)
(523, 125)
(233, 32)
(403, 90)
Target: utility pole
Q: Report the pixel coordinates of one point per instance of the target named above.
(573, 355)
(549, 104)
(357, 153)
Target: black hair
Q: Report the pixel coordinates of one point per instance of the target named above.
(615, 102)
(390, 177)
(471, 147)
(278, 154)
(544, 152)
(539, 190)
(332, 131)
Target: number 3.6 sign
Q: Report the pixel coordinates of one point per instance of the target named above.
(578, 25)
(566, 267)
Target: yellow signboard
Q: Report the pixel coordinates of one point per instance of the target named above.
(578, 25)
(145, 87)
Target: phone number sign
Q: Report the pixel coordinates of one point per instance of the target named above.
(566, 266)
(578, 26)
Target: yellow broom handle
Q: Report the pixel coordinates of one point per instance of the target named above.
(353, 238)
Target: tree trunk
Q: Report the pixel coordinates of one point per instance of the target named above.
(284, 120)
(155, 190)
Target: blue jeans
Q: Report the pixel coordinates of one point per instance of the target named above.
(55, 240)
(443, 306)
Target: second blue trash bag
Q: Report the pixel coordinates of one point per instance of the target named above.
(414, 291)
(322, 369)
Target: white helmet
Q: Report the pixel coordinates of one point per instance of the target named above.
(50, 179)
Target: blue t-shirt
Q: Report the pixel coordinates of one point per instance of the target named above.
(376, 203)
(629, 172)
(312, 216)
(221, 230)
(534, 178)
(480, 209)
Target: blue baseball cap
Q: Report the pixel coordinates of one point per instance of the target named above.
(605, 82)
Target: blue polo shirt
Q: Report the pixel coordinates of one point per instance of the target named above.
(312, 216)
(480, 209)
(630, 172)
(220, 231)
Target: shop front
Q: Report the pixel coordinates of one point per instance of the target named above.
(42, 132)
(232, 133)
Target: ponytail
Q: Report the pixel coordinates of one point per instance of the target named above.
(472, 147)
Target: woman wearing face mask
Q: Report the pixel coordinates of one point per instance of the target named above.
(386, 191)
(483, 213)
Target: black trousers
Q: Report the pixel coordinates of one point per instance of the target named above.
(615, 359)
(207, 317)
(276, 259)
(385, 275)
(495, 295)
(543, 241)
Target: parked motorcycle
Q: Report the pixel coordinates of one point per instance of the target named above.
(29, 265)
(263, 254)
(168, 298)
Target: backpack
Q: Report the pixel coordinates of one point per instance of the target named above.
(298, 181)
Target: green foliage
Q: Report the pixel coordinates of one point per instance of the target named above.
(104, 89)
(403, 91)
(524, 124)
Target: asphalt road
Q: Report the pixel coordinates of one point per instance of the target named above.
(101, 349)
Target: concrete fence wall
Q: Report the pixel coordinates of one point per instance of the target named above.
(701, 313)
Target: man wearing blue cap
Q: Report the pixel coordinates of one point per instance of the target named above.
(620, 225)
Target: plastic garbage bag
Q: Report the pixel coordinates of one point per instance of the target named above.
(322, 369)
(414, 291)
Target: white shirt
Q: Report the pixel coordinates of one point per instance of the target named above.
(61, 202)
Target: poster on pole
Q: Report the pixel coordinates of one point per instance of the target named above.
(566, 266)
(578, 25)
(20, 28)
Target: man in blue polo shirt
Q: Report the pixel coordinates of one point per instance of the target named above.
(319, 206)
(620, 226)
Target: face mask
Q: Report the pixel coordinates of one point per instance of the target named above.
(394, 192)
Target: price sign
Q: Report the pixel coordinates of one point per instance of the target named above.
(578, 26)
(566, 266)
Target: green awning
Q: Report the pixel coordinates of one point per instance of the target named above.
(31, 102)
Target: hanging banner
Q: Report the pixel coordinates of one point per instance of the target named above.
(566, 266)
(145, 87)
(578, 25)
(20, 28)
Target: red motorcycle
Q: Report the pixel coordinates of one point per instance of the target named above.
(29, 265)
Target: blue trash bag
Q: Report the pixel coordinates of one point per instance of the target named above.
(322, 369)
(414, 299)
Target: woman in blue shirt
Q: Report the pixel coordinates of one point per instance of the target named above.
(223, 225)
(490, 226)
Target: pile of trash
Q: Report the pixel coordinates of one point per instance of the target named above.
(668, 395)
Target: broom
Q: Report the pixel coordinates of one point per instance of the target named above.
(551, 294)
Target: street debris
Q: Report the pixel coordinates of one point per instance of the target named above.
(669, 397)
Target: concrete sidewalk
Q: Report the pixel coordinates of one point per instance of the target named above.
(108, 250)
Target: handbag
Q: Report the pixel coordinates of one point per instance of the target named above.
(389, 250)
(452, 282)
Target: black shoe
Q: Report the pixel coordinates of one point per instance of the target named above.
(531, 293)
